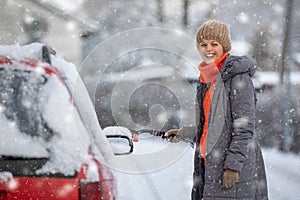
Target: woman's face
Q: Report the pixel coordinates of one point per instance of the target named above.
(210, 50)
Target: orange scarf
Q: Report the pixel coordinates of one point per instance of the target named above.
(208, 74)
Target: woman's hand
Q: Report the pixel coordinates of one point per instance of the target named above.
(230, 177)
(173, 135)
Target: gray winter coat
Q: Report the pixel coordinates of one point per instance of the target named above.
(231, 140)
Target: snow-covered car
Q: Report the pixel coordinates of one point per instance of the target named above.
(51, 146)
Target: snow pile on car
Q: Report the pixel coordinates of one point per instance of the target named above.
(68, 147)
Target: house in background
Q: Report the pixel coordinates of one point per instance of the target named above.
(55, 23)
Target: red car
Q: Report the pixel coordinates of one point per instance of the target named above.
(52, 146)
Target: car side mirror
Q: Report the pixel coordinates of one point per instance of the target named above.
(121, 144)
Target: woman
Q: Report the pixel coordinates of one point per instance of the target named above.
(228, 162)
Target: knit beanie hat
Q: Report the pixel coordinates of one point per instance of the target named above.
(214, 30)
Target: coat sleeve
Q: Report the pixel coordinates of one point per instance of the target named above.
(190, 133)
(242, 99)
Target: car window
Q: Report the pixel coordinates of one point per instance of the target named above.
(19, 99)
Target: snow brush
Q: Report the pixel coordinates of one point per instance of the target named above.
(135, 134)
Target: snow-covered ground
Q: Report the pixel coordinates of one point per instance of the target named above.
(161, 170)
(283, 174)
(172, 179)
